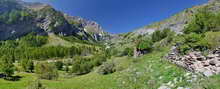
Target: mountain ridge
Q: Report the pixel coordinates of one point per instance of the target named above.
(178, 21)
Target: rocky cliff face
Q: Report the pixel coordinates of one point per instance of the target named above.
(90, 27)
(18, 18)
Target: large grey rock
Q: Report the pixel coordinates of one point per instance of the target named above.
(210, 56)
(218, 70)
(213, 62)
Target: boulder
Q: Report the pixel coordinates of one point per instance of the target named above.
(213, 62)
(205, 63)
(210, 56)
(217, 65)
(218, 70)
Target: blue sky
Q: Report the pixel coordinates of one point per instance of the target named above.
(119, 16)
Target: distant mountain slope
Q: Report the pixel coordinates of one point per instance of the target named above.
(178, 21)
(18, 18)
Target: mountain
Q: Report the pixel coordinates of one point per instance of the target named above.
(178, 21)
(18, 18)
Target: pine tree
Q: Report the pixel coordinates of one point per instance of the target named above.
(6, 65)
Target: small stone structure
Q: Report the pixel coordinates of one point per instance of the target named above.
(196, 62)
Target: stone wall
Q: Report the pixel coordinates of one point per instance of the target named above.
(196, 62)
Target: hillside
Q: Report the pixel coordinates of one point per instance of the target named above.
(178, 21)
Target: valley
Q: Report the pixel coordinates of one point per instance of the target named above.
(43, 48)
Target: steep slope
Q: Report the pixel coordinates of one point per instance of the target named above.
(18, 18)
(178, 21)
(90, 27)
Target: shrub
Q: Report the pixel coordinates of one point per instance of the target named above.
(6, 65)
(213, 39)
(107, 68)
(36, 85)
(159, 35)
(59, 65)
(193, 42)
(27, 65)
(82, 66)
(145, 45)
(156, 36)
(46, 71)
(128, 52)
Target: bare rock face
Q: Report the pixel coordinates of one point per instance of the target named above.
(196, 62)
(90, 27)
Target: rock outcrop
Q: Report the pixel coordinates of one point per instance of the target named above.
(196, 62)
(88, 26)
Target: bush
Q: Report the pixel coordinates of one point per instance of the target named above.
(27, 65)
(107, 68)
(46, 71)
(36, 85)
(213, 39)
(85, 65)
(59, 65)
(159, 35)
(82, 66)
(6, 65)
(128, 52)
(145, 45)
(193, 42)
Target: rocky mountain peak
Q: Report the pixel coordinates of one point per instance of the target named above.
(91, 27)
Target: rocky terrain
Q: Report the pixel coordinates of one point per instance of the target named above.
(88, 26)
(197, 62)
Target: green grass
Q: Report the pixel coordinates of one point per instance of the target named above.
(21, 84)
(54, 40)
(147, 72)
(89, 81)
